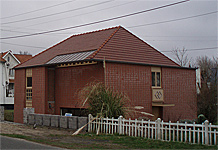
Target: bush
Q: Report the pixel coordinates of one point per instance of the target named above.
(9, 115)
(103, 100)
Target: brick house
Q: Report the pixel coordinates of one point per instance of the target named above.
(50, 81)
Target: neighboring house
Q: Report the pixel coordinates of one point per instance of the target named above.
(51, 80)
(8, 61)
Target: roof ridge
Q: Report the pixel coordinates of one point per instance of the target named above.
(94, 31)
(105, 42)
(68, 39)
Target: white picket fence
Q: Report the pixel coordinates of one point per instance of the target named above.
(204, 133)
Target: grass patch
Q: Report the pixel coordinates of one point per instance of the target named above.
(93, 141)
(142, 143)
(9, 115)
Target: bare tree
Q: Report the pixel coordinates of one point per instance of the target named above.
(207, 98)
(24, 53)
(181, 57)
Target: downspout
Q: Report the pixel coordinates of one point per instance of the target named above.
(105, 76)
(3, 85)
(6, 79)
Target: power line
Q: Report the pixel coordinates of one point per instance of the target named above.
(196, 49)
(80, 14)
(23, 45)
(97, 22)
(172, 20)
(30, 33)
(37, 10)
(57, 13)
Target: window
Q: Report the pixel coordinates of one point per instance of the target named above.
(156, 76)
(8, 59)
(28, 84)
(11, 72)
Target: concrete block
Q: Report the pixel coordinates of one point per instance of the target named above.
(73, 122)
(26, 112)
(46, 120)
(2, 113)
(39, 119)
(82, 121)
(31, 119)
(55, 121)
(64, 121)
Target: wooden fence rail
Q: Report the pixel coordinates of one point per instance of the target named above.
(204, 133)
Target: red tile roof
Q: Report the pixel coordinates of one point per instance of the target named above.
(1, 59)
(21, 58)
(116, 44)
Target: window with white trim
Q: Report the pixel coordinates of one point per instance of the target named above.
(156, 76)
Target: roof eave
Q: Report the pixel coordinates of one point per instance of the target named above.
(112, 61)
(143, 64)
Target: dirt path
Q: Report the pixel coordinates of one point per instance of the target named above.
(13, 128)
(56, 135)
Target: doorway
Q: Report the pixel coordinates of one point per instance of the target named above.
(157, 111)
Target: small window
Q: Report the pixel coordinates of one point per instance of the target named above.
(29, 81)
(156, 76)
(8, 59)
(28, 94)
(11, 72)
(153, 78)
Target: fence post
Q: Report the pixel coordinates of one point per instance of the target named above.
(90, 117)
(120, 124)
(158, 128)
(206, 123)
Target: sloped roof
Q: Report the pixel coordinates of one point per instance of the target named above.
(1, 59)
(116, 44)
(20, 57)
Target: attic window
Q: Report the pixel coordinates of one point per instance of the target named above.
(8, 59)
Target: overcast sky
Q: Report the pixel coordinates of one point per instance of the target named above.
(196, 33)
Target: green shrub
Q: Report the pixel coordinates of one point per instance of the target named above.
(103, 100)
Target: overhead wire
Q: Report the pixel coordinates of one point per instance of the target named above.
(196, 49)
(172, 20)
(80, 14)
(37, 10)
(97, 22)
(39, 17)
(23, 45)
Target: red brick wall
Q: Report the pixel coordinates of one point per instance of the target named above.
(19, 95)
(179, 87)
(51, 92)
(39, 80)
(70, 80)
(134, 80)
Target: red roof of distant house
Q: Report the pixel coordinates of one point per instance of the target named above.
(115, 44)
(1, 59)
(20, 57)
